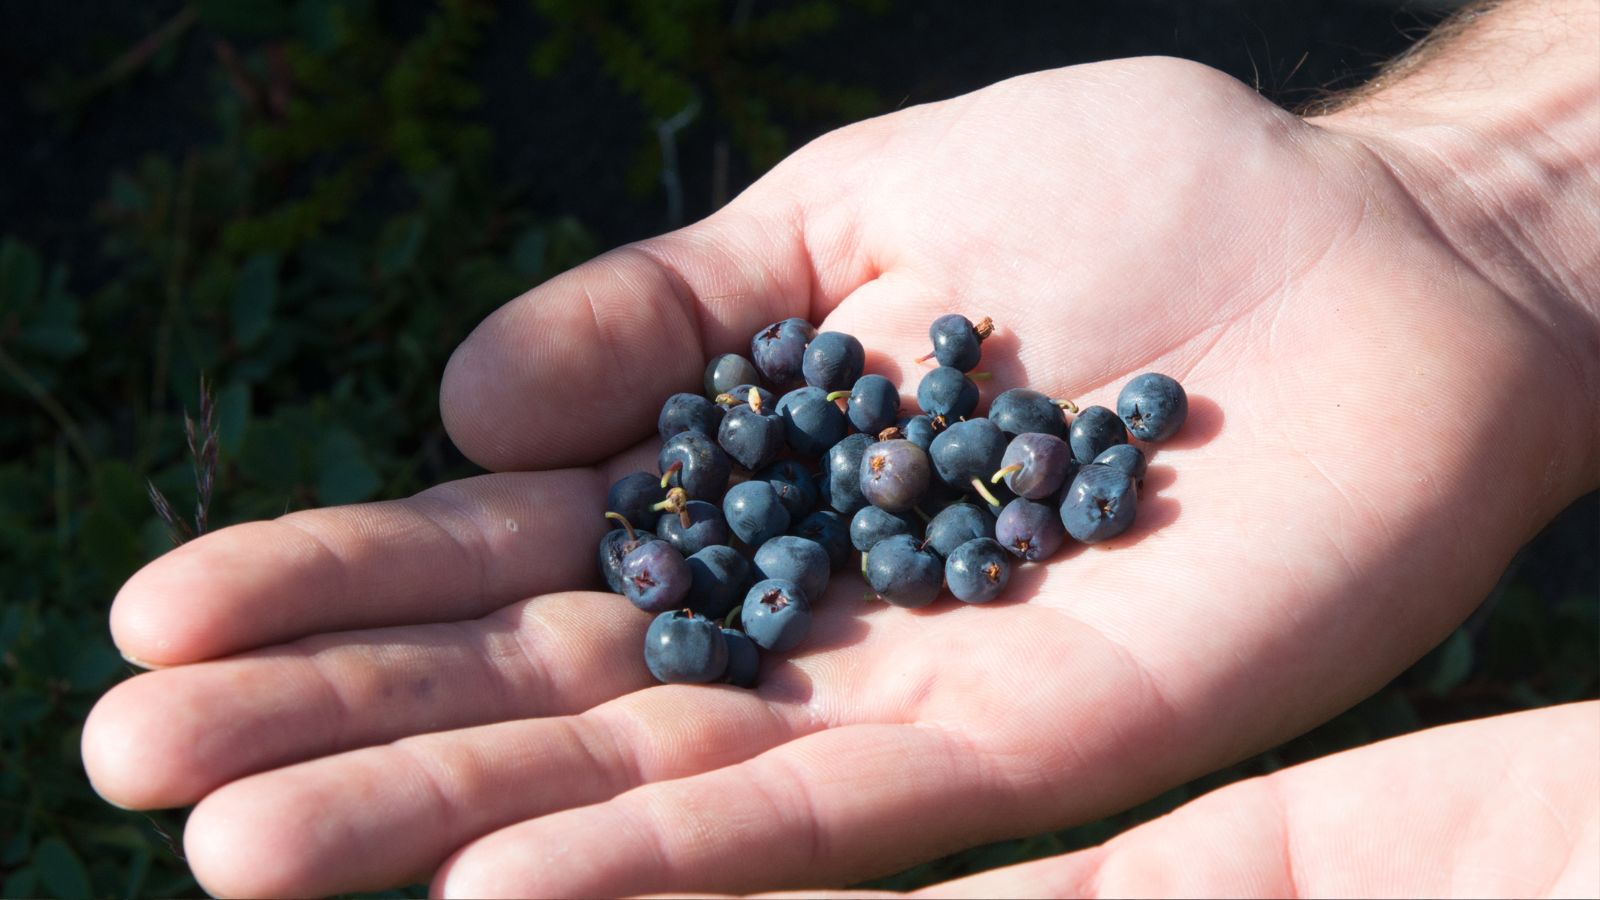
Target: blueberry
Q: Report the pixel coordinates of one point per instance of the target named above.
(797, 559)
(754, 512)
(688, 412)
(871, 525)
(1030, 530)
(617, 544)
(1021, 411)
(719, 576)
(633, 496)
(1095, 430)
(919, 430)
(947, 394)
(695, 463)
(1100, 504)
(752, 437)
(1128, 458)
(744, 659)
(779, 350)
(967, 454)
(833, 361)
(811, 422)
(830, 531)
(874, 404)
(894, 474)
(655, 577)
(1036, 465)
(796, 487)
(904, 573)
(1153, 406)
(728, 371)
(977, 571)
(956, 340)
(841, 474)
(957, 524)
(776, 615)
(683, 648)
(691, 525)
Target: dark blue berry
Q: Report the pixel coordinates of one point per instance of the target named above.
(833, 361)
(957, 524)
(1099, 504)
(776, 615)
(977, 571)
(795, 486)
(688, 412)
(691, 526)
(655, 577)
(956, 341)
(633, 496)
(1036, 465)
(1153, 406)
(1126, 457)
(830, 531)
(754, 512)
(779, 350)
(968, 452)
(811, 422)
(694, 462)
(894, 474)
(1030, 530)
(874, 404)
(1020, 411)
(1093, 431)
(719, 576)
(902, 572)
(728, 371)
(797, 559)
(870, 525)
(947, 394)
(753, 438)
(841, 474)
(616, 545)
(744, 659)
(919, 430)
(683, 648)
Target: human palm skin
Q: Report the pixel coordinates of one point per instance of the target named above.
(426, 688)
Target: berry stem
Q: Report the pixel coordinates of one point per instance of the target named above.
(625, 524)
(754, 399)
(925, 357)
(1014, 467)
(666, 477)
(983, 491)
(984, 328)
(889, 434)
(980, 376)
(836, 395)
(732, 619)
(677, 501)
(1067, 405)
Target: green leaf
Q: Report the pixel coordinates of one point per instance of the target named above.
(93, 667)
(254, 296)
(269, 455)
(528, 252)
(233, 413)
(344, 475)
(20, 883)
(60, 870)
(13, 851)
(20, 274)
(1451, 663)
(399, 243)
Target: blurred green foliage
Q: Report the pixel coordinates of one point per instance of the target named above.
(318, 258)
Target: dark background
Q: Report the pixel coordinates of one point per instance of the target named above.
(312, 202)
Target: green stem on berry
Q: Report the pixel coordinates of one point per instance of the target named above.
(836, 395)
(924, 516)
(1014, 467)
(863, 563)
(666, 477)
(678, 502)
(980, 376)
(983, 491)
(1067, 405)
(625, 524)
(732, 619)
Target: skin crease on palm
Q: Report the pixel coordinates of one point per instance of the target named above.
(424, 688)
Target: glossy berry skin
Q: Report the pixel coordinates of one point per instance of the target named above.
(776, 615)
(1128, 458)
(978, 571)
(796, 487)
(744, 659)
(779, 350)
(1153, 406)
(811, 422)
(957, 524)
(902, 573)
(655, 577)
(751, 439)
(1030, 530)
(1100, 504)
(633, 495)
(683, 648)
(706, 528)
(719, 576)
(1047, 463)
(1093, 432)
(728, 371)
(688, 412)
(870, 525)
(947, 393)
(874, 404)
(841, 474)
(613, 547)
(919, 430)
(1022, 411)
(754, 512)
(968, 450)
(955, 342)
(797, 559)
(894, 474)
(704, 467)
(833, 361)
(830, 531)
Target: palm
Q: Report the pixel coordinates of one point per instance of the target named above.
(1112, 220)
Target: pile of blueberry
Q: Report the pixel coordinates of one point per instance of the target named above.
(942, 499)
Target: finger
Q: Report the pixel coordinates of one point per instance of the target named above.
(156, 740)
(388, 815)
(456, 551)
(1501, 807)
